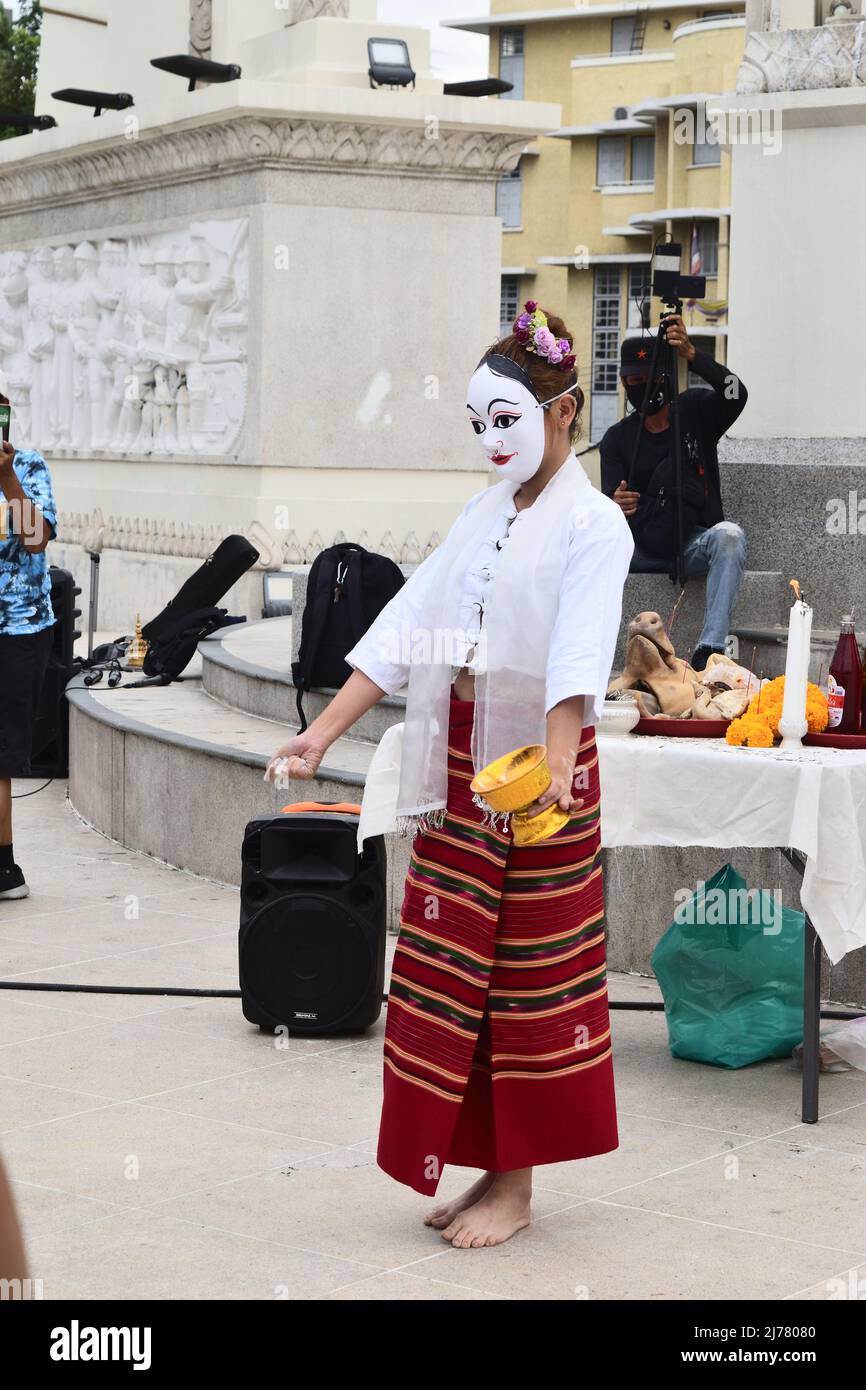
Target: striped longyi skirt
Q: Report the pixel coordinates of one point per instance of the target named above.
(497, 1043)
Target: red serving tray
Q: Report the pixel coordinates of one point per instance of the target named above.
(683, 728)
(826, 740)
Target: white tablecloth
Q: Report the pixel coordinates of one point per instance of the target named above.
(680, 791)
(705, 792)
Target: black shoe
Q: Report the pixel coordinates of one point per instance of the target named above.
(701, 655)
(13, 883)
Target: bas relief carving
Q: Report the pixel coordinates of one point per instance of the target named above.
(128, 346)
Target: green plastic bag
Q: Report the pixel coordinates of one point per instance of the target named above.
(730, 969)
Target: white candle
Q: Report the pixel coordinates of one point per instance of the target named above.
(792, 724)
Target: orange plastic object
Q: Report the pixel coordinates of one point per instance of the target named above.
(321, 806)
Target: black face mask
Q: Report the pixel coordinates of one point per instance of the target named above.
(634, 395)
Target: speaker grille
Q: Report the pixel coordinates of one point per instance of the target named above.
(305, 961)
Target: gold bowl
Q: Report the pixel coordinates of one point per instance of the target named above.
(512, 783)
(515, 780)
(529, 829)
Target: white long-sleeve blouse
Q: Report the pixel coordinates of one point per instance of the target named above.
(589, 604)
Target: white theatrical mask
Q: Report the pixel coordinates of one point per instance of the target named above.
(508, 422)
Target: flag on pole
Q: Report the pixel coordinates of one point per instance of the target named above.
(696, 251)
(696, 260)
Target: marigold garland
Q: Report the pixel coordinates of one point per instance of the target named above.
(759, 726)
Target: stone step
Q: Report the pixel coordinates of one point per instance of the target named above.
(802, 505)
(172, 773)
(249, 668)
(765, 650)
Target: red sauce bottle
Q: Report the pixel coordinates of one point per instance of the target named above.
(846, 682)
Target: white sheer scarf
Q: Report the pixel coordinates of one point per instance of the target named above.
(511, 666)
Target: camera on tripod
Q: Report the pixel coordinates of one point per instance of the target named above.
(668, 284)
(665, 488)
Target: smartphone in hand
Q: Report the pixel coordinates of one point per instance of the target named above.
(5, 420)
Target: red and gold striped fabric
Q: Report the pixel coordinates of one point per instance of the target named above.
(497, 1043)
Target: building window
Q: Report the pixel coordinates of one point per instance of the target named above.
(708, 248)
(508, 191)
(509, 300)
(511, 60)
(705, 149)
(611, 160)
(708, 346)
(622, 35)
(639, 292)
(604, 397)
(643, 159)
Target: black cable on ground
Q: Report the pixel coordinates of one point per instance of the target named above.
(121, 989)
(22, 796)
(653, 1007)
(236, 994)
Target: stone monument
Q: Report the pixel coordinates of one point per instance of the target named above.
(252, 306)
(795, 469)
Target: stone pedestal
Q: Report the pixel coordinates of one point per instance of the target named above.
(796, 462)
(254, 307)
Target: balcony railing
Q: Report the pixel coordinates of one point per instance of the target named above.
(709, 21)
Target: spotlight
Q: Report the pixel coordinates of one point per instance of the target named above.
(100, 101)
(389, 63)
(197, 69)
(478, 87)
(22, 122)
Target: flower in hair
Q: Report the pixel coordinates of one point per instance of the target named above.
(532, 331)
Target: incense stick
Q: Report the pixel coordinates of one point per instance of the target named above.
(675, 607)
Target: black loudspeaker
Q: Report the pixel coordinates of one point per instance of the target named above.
(51, 718)
(312, 930)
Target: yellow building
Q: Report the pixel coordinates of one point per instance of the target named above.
(635, 159)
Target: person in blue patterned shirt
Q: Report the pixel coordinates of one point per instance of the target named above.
(28, 521)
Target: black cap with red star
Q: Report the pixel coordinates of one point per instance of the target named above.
(635, 356)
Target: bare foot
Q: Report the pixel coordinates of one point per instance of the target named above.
(499, 1214)
(444, 1214)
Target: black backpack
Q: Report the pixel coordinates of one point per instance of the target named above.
(347, 588)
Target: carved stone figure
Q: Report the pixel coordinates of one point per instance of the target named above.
(194, 296)
(135, 347)
(40, 344)
(83, 326)
(62, 357)
(13, 349)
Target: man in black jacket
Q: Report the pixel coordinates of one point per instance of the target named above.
(713, 546)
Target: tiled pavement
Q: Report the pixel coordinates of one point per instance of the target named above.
(162, 1147)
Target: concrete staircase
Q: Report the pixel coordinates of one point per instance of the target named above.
(177, 772)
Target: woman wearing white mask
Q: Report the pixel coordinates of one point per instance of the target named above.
(497, 1044)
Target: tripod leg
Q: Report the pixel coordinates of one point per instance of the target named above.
(671, 366)
(93, 607)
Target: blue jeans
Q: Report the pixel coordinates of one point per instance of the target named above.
(719, 552)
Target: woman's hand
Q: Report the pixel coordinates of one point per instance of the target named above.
(564, 726)
(559, 791)
(299, 758)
